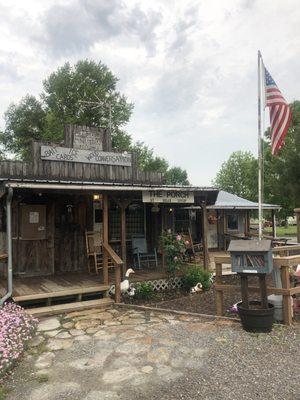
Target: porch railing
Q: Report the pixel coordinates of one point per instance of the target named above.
(108, 252)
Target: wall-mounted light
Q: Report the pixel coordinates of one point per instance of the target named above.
(155, 208)
(96, 197)
(70, 208)
(170, 210)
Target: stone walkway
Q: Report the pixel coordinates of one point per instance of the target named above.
(128, 354)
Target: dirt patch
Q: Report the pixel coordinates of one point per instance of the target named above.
(203, 303)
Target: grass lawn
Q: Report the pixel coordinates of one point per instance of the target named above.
(290, 230)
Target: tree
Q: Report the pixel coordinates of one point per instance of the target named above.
(282, 173)
(24, 122)
(176, 176)
(238, 175)
(63, 101)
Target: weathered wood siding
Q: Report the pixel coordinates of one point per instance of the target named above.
(63, 170)
(33, 257)
(70, 249)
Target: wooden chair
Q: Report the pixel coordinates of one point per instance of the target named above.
(94, 251)
(141, 254)
(194, 250)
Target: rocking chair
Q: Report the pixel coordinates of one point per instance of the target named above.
(94, 251)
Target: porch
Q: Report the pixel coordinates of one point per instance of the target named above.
(70, 286)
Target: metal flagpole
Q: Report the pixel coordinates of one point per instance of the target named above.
(260, 153)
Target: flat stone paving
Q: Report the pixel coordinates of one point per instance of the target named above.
(129, 354)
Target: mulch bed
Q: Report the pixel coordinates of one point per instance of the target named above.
(203, 302)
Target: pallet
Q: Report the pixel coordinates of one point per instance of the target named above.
(69, 307)
(62, 293)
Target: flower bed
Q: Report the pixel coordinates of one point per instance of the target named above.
(16, 329)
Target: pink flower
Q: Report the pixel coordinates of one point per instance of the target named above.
(175, 258)
(178, 238)
(169, 231)
(186, 242)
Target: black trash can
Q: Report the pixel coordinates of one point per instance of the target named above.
(256, 319)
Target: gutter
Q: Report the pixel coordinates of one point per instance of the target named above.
(9, 247)
(101, 187)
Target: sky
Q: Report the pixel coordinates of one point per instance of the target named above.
(189, 67)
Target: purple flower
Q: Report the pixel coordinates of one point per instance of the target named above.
(16, 328)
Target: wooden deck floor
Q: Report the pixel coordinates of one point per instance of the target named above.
(76, 284)
(72, 283)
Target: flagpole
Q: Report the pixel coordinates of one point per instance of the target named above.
(260, 153)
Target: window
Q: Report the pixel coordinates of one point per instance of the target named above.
(232, 222)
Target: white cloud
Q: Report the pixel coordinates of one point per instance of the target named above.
(189, 66)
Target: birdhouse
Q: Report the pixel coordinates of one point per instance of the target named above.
(251, 256)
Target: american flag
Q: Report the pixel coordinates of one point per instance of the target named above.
(280, 113)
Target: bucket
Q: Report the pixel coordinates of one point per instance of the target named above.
(276, 300)
(256, 319)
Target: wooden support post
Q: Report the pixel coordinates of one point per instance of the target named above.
(123, 239)
(162, 210)
(247, 223)
(297, 211)
(123, 204)
(204, 236)
(117, 284)
(105, 238)
(219, 293)
(244, 290)
(263, 290)
(224, 229)
(273, 224)
(287, 301)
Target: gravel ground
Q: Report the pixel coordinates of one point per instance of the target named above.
(132, 355)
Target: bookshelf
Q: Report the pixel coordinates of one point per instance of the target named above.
(251, 256)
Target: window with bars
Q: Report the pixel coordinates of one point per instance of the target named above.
(134, 221)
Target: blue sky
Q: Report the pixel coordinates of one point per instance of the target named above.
(190, 67)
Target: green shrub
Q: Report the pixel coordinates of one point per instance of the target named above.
(196, 274)
(174, 249)
(144, 291)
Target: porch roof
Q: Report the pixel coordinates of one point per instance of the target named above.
(41, 184)
(228, 201)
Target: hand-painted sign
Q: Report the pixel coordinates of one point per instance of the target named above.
(168, 196)
(85, 156)
(86, 138)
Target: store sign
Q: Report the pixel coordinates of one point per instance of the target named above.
(86, 138)
(54, 153)
(165, 196)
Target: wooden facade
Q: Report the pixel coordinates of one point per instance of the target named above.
(62, 197)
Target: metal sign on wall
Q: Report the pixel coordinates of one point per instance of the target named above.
(171, 196)
(54, 153)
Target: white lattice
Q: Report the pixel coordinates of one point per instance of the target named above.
(159, 284)
(165, 284)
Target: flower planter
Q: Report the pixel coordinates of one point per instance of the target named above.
(255, 318)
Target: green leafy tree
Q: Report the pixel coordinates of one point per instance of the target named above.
(238, 175)
(282, 173)
(176, 176)
(24, 122)
(63, 101)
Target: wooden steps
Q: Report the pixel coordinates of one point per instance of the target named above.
(69, 307)
(79, 291)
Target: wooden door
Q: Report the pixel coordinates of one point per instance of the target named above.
(33, 257)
